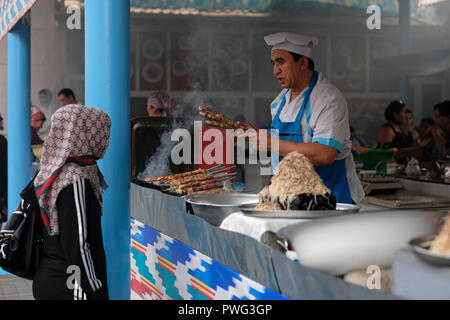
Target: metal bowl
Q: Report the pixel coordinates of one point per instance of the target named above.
(214, 208)
(421, 247)
(345, 243)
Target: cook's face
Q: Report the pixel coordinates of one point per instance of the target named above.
(285, 68)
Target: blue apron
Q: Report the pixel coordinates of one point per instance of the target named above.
(334, 175)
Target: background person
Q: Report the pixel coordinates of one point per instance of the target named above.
(357, 140)
(428, 131)
(390, 135)
(442, 118)
(158, 104)
(69, 187)
(66, 96)
(46, 106)
(409, 130)
(37, 121)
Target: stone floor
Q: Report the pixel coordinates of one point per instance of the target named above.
(14, 288)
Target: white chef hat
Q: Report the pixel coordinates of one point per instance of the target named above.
(292, 42)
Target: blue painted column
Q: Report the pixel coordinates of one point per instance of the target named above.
(107, 86)
(19, 101)
(405, 45)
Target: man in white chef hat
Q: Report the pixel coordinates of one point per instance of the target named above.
(310, 116)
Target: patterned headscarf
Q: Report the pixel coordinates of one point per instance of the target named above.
(37, 114)
(78, 136)
(159, 100)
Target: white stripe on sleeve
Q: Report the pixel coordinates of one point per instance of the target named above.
(85, 254)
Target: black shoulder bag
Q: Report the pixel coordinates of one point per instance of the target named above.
(21, 239)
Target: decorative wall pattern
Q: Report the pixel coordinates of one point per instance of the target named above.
(230, 62)
(348, 63)
(153, 59)
(163, 268)
(189, 61)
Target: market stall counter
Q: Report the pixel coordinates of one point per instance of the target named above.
(177, 255)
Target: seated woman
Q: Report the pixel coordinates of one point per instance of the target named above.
(390, 135)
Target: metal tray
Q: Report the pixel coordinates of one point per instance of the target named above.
(341, 208)
(214, 208)
(421, 247)
(222, 199)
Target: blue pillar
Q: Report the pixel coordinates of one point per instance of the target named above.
(107, 86)
(19, 101)
(405, 45)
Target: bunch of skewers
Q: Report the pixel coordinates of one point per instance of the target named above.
(217, 119)
(198, 181)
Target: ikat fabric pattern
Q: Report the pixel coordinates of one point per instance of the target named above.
(163, 268)
(11, 11)
(265, 5)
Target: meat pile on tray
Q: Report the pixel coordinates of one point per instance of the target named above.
(296, 186)
(195, 182)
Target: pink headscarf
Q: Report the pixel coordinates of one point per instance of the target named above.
(78, 136)
(159, 100)
(37, 114)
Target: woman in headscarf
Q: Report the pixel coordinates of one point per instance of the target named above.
(37, 121)
(69, 189)
(158, 104)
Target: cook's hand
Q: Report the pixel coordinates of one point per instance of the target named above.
(246, 125)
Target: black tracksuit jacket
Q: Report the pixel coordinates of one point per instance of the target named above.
(73, 266)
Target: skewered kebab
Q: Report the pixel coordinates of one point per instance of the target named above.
(218, 124)
(197, 180)
(213, 191)
(217, 119)
(175, 176)
(206, 183)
